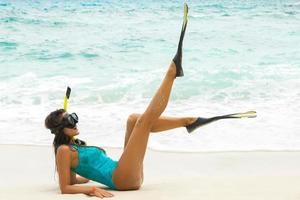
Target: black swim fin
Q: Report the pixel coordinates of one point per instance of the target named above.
(203, 121)
(178, 57)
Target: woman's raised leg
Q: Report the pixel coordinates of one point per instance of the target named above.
(128, 172)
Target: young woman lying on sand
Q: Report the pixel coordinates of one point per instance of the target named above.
(92, 163)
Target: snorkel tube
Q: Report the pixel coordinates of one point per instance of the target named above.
(68, 92)
(67, 96)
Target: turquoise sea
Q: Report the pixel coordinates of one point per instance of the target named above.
(238, 56)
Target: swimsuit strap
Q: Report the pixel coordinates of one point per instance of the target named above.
(74, 146)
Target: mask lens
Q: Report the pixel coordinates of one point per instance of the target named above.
(71, 120)
(74, 117)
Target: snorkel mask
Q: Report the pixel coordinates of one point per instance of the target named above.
(68, 121)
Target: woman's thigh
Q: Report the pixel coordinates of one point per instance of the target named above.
(128, 174)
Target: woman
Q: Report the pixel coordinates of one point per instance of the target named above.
(92, 162)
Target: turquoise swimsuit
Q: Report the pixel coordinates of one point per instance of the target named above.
(93, 164)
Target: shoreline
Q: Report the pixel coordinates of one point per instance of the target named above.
(169, 151)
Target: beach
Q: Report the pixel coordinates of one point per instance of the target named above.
(238, 56)
(114, 55)
(27, 172)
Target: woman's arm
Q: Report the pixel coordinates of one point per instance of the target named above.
(63, 158)
(76, 179)
(81, 180)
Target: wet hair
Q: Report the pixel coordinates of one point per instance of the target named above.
(51, 122)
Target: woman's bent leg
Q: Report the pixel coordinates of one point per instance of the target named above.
(128, 172)
(163, 123)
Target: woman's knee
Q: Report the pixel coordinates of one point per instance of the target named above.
(132, 118)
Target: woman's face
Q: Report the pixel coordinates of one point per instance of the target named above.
(71, 131)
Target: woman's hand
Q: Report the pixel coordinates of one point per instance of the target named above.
(98, 192)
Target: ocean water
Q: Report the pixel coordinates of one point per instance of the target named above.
(238, 56)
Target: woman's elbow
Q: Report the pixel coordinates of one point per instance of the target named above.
(64, 190)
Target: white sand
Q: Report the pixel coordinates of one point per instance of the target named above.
(27, 172)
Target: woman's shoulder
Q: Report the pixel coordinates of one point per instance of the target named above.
(63, 149)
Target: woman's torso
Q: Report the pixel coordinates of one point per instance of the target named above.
(74, 158)
(91, 162)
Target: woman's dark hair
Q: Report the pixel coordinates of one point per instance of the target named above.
(51, 122)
